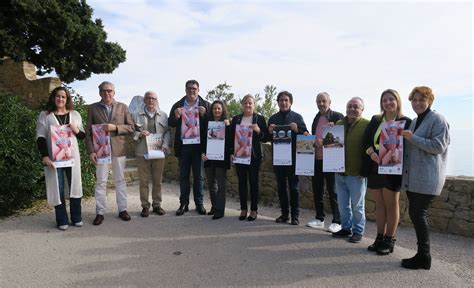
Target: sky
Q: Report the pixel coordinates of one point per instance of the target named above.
(347, 49)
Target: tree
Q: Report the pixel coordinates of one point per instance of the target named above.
(222, 92)
(57, 35)
(268, 107)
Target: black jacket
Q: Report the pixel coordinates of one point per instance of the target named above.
(176, 123)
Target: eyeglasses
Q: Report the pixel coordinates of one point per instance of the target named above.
(191, 88)
(150, 98)
(106, 90)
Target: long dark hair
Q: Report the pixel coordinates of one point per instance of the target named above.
(224, 110)
(51, 104)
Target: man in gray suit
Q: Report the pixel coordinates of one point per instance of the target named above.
(115, 119)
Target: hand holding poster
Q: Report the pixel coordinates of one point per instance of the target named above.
(190, 133)
(282, 145)
(215, 140)
(391, 148)
(62, 150)
(101, 142)
(243, 144)
(333, 149)
(153, 145)
(305, 155)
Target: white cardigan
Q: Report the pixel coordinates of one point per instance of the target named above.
(43, 124)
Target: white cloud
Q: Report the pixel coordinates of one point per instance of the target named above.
(346, 49)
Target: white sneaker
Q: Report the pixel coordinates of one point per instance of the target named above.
(63, 227)
(334, 227)
(316, 223)
(78, 224)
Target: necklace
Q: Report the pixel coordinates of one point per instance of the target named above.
(65, 119)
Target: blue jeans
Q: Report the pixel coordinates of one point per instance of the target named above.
(190, 158)
(351, 199)
(74, 203)
(284, 173)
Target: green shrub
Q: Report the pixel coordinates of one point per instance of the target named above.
(21, 172)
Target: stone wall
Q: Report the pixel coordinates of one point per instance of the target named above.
(19, 78)
(451, 212)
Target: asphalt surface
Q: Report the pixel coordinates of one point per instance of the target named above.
(193, 250)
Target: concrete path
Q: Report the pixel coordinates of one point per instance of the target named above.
(193, 250)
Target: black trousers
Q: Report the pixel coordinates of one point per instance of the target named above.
(418, 205)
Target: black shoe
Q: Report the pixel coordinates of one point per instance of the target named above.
(417, 262)
(295, 221)
(145, 212)
(377, 242)
(124, 216)
(355, 238)
(342, 234)
(211, 212)
(158, 210)
(217, 216)
(200, 209)
(252, 218)
(98, 219)
(243, 215)
(182, 208)
(386, 247)
(282, 219)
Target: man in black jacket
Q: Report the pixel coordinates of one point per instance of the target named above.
(325, 117)
(296, 123)
(188, 149)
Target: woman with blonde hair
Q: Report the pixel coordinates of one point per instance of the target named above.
(384, 188)
(248, 174)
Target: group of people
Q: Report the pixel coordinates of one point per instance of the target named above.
(426, 141)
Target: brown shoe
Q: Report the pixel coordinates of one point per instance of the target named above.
(145, 212)
(98, 219)
(158, 210)
(124, 216)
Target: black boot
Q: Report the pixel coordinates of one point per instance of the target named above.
(418, 261)
(386, 247)
(376, 243)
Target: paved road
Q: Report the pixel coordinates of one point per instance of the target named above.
(193, 250)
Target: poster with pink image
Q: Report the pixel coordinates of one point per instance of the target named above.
(190, 133)
(101, 142)
(391, 148)
(243, 144)
(61, 146)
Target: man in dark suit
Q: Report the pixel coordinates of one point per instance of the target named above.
(188, 149)
(115, 119)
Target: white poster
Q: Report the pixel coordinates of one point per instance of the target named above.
(282, 146)
(333, 149)
(215, 140)
(305, 155)
(243, 144)
(153, 145)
